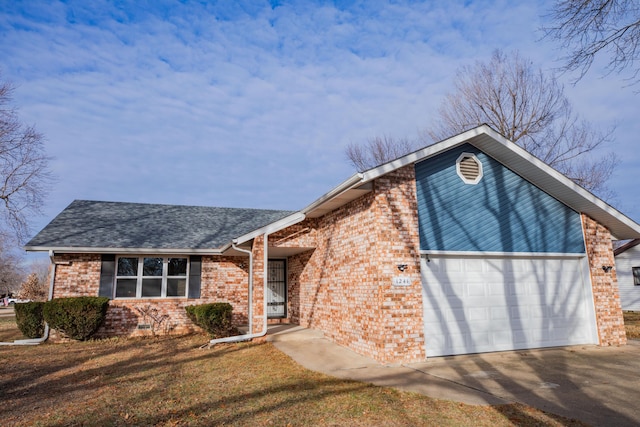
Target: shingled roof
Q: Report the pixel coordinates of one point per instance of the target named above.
(89, 225)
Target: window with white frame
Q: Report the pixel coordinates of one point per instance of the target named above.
(151, 277)
(636, 275)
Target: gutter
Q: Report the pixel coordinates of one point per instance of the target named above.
(45, 336)
(143, 251)
(296, 218)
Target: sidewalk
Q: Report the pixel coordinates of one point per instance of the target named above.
(597, 385)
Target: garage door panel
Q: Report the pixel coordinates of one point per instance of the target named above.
(476, 314)
(518, 313)
(473, 266)
(455, 290)
(476, 290)
(496, 289)
(502, 339)
(499, 313)
(504, 304)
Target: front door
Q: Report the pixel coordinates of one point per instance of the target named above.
(276, 288)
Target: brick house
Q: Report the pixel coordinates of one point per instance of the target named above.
(468, 245)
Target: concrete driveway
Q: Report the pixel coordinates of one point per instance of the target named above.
(597, 385)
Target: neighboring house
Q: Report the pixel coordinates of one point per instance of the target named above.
(628, 273)
(468, 245)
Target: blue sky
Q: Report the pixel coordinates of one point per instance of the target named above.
(251, 104)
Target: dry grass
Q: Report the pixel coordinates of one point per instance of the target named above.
(632, 324)
(8, 329)
(171, 381)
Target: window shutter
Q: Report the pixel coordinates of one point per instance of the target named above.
(107, 275)
(195, 268)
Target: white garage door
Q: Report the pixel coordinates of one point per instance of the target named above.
(475, 305)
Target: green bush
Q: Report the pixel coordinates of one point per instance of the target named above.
(215, 318)
(77, 317)
(29, 318)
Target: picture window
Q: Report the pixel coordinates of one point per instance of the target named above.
(151, 277)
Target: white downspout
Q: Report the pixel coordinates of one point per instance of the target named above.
(45, 336)
(249, 336)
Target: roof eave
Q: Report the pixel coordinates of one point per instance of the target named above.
(142, 251)
(356, 185)
(626, 247)
(282, 223)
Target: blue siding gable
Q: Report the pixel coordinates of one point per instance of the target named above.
(502, 213)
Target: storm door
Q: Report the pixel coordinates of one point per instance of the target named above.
(276, 288)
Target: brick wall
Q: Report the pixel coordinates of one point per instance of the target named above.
(606, 295)
(344, 286)
(224, 279)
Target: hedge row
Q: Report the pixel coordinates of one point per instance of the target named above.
(80, 317)
(77, 317)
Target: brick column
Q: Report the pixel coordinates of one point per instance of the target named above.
(258, 284)
(606, 296)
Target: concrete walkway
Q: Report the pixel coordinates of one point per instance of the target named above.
(597, 385)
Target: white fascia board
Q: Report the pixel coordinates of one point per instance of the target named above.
(358, 179)
(425, 153)
(76, 250)
(354, 180)
(271, 228)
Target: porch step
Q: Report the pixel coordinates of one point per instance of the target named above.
(292, 333)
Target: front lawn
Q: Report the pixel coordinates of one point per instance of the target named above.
(632, 324)
(171, 381)
(8, 329)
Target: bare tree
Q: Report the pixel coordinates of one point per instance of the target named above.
(587, 28)
(377, 150)
(24, 173)
(529, 108)
(11, 272)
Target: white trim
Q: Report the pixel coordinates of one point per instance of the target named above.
(117, 251)
(351, 182)
(424, 153)
(271, 228)
(427, 253)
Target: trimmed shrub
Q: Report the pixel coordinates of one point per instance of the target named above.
(215, 318)
(29, 318)
(76, 317)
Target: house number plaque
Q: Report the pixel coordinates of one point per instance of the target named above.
(401, 281)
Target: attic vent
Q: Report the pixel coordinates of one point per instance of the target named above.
(469, 168)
